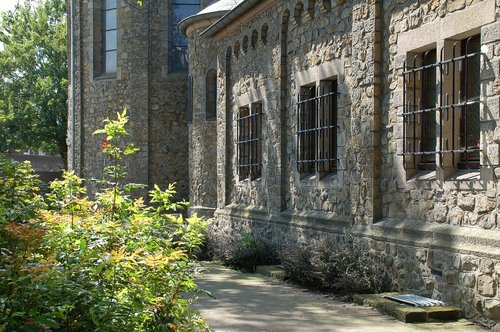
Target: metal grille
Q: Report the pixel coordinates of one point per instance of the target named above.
(415, 300)
(249, 142)
(457, 127)
(317, 129)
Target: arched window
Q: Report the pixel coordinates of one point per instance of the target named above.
(211, 95)
(263, 34)
(255, 37)
(180, 9)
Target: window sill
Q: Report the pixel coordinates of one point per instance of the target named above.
(103, 77)
(465, 175)
(424, 176)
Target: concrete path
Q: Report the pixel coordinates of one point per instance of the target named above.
(252, 302)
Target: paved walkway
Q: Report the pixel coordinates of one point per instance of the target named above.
(251, 302)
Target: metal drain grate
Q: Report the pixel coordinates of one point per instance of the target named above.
(415, 300)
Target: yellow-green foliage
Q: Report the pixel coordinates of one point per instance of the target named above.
(109, 264)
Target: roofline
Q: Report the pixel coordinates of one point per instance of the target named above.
(229, 17)
(184, 23)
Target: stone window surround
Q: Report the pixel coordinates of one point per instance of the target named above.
(95, 17)
(245, 100)
(453, 27)
(333, 70)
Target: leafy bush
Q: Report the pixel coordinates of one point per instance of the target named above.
(110, 264)
(19, 186)
(343, 267)
(243, 251)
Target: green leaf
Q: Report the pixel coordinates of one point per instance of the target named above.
(47, 322)
(83, 245)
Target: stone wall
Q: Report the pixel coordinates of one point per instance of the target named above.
(435, 232)
(202, 131)
(155, 99)
(459, 268)
(467, 198)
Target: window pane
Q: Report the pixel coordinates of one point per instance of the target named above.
(177, 39)
(180, 12)
(110, 19)
(178, 59)
(186, 2)
(180, 9)
(110, 62)
(110, 40)
(109, 4)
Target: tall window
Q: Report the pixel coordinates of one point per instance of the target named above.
(211, 95)
(455, 127)
(469, 140)
(110, 37)
(180, 9)
(189, 110)
(317, 129)
(249, 141)
(420, 114)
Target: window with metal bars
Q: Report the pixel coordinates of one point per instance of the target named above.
(420, 109)
(447, 126)
(249, 141)
(317, 129)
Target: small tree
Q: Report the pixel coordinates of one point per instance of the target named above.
(33, 71)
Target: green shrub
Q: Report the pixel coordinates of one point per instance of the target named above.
(243, 251)
(342, 266)
(112, 264)
(19, 187)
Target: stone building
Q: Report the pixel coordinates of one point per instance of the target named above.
(302, 118)
(379, 117)
(127, 56)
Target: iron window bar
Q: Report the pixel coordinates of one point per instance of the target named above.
(317, 129)
(413, 111)
(418, 111)
(461, 101)
(249, 142)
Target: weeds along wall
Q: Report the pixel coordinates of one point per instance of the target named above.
(405, 156)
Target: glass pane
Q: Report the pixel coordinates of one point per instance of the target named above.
(110, 64)
(110, 19)
(110, 40)
(180, 12)
(178, 59)
(177, 39)
(109, 4)
(186, 2)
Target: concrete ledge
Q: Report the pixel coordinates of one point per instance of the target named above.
(456, 239)
(407, 313)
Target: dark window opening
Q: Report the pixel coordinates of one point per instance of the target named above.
(211, 95)
(189, 110)
(420, 110)
(249, 142)
(448, 126)
(317, 129)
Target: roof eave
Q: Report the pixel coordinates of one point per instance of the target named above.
(229, 17)
(184, 23)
